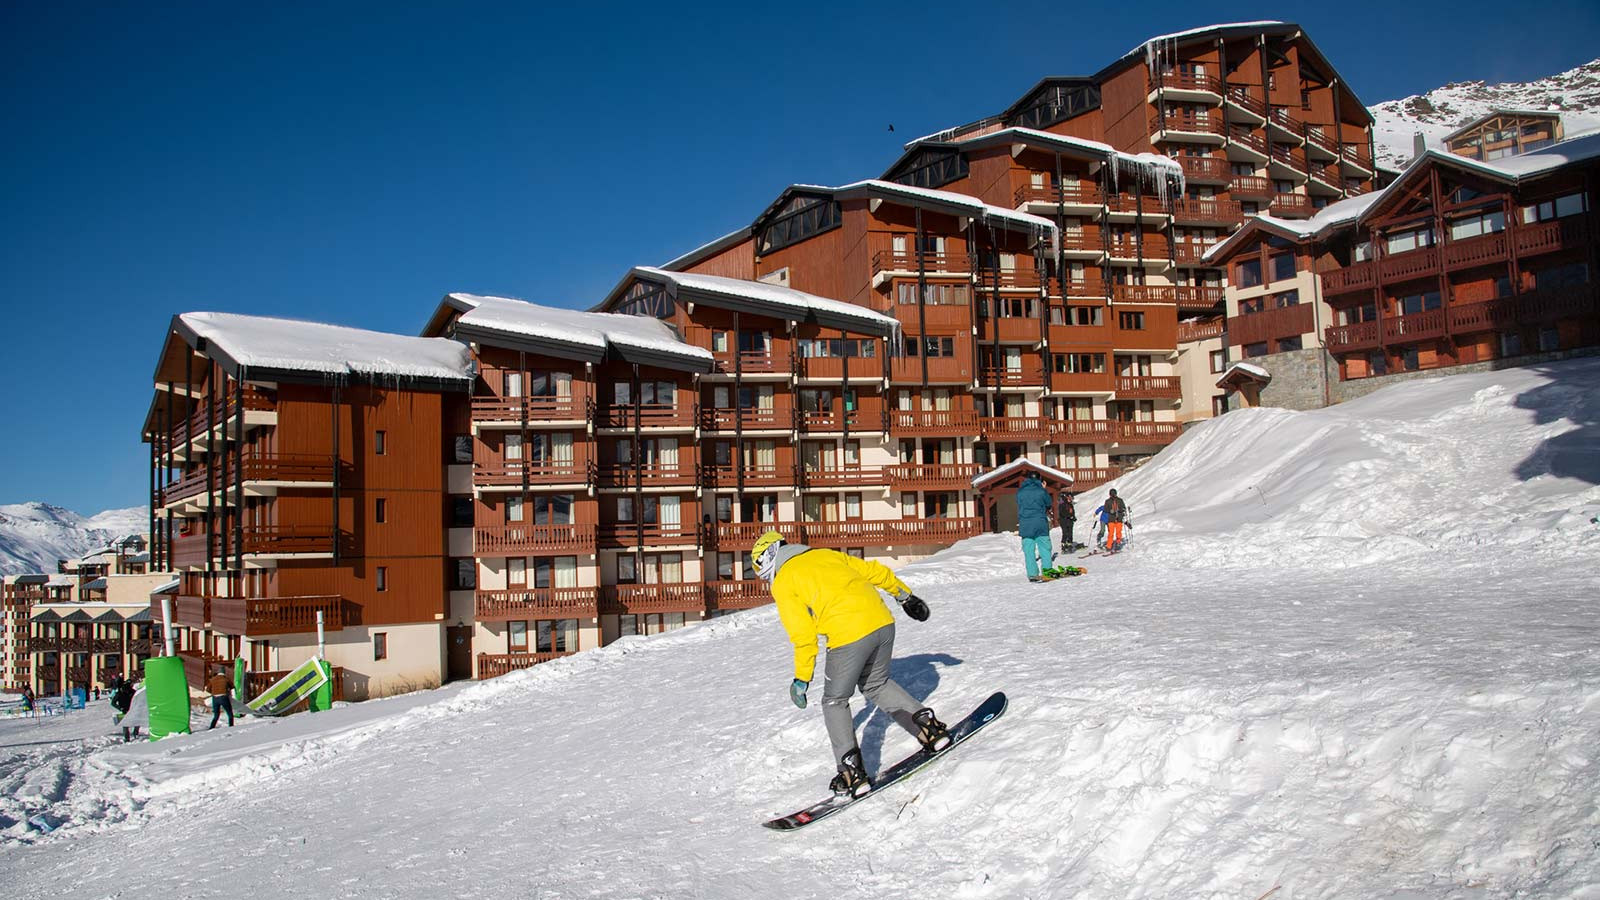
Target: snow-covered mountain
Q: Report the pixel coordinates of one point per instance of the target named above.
(1575, 93)
(1349, 653)
(34, 536)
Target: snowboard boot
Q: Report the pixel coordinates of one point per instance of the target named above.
(852, 777)
(931, 732)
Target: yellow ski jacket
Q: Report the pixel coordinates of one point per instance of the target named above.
(832, 594)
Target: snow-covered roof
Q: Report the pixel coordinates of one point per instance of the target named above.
(1331, 217)
(595, 331)
(61, 581)
(263, 346)
(1141, 165)
(168, 587)
(1194, 32)
(717, 246)
(1021, 462)
(784, 302)
(1243, 368)
(963, 204)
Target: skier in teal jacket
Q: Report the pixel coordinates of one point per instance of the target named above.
(1033, 522)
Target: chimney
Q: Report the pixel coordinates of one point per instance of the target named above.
(1418, 145)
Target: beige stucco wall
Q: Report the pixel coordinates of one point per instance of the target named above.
(415, 660)
(1199, 382)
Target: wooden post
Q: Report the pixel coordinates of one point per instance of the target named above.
(238, 469)
(333, 412)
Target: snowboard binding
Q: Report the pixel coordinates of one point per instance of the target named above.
(931, 733)
(852, 777)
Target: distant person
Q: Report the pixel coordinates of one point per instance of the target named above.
(1066, 515)
(1033, 523)
(121, 703)
(1116, 514)
(217, 687)
(27, 699)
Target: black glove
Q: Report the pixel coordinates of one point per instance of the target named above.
(914, 607)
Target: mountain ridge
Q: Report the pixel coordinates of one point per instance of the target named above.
(35, 535)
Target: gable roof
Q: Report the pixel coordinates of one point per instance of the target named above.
(1020, 466)
(926, 198)
(1497, 113)
(761, 298)
(574, 333)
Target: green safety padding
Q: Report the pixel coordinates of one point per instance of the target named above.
(323, 698)
(167, 688)
(241, 680)
(289, 690)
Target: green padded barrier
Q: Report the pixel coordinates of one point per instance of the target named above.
(323, 698)
(241, 681)
(289, 690)
(167, 688)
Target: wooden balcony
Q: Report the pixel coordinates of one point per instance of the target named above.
(778, 417)
(941, 369)
(1536, 307)
(533, 540)
(933, 423)
(631, 534)
(1148, 248)
(1242, 98)
(1127, 207)
(832, 367)
(816, 421)
(1207, 211)
(518, 604)
(1197, 297)
(1253, 187)
(1476, 251)
(1148, 432)
(1149, 387)
(1025, 372)
(743, 535)
(207, 417)
(933, 476)
(1285, 124)
(1271, 324)
(1422, 326)
(1411, 264)
(1190, 253)
(1190, 83)
(1082, 382)
(682, 473)
(1012, 329)
(260, 616)
(939, 318)
(190, 611)
(1348, 338)
(752, 362)
(649, 415)
(287, 540)
(741, 594)
(1246, 139)
(578, 470)
(493, 665)
(844, 476)
(933, 530)
(1569, 233)
(1083, 431)
(1014, 428)
(907, 261)
(1080, 194)
(1356, 156)
(535, 411)
(199, 665)
(1086, 479)
(641, 599)
(1187, 127)
(778, 474)
(1360, 276)
(1292, 205)
(1082, 241)
(288, 469)
(1206, 169)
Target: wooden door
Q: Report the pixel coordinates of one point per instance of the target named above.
(458, 642)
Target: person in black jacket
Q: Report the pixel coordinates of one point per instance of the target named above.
(1066, 515)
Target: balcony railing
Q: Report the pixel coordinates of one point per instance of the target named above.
(1561, 234)
(815, 421)
(1148, 387)
(741, 594)
(1015, 428)
(1083, 193)
(650, 415)
(1186, 124)
(1082, 382)
(577, 470)
(832, 367)
(207, 416)
(1272, 324)
(1149, 247)
(285, 468)
(1088, 478)
(1292, 205)
(536, 409)
(1357, 336)
(514, 604)
(493, 665)
(906, 261)
(844, 476)
(1422, 326)
(1206, 168)
(1354, 277)
(743, 535)
(1356, 155)
(934, 422)
(630, 534)
(1410, 264)
(778, 417)
(1536, 307)
(1191, 81)
(1191, 209)
(941, 369)
(655, 474)
(533, 540)
(890, 532)
(1253, 186)
(1025, 372)
(1189, 252)
(275, 615)
(1243, 99)
(1083, 431)
(1475, 251)
(753, 475)
(1248, 138)
(636, 599)
(933, 476)
(752, 362)
(1148, 432)
(1088, 240)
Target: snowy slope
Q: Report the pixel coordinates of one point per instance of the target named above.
(34, 536)
(1575, 92)
(1186, 720)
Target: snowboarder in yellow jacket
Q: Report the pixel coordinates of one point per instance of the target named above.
(835, 595)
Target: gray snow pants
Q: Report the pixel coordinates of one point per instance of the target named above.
(865, 664)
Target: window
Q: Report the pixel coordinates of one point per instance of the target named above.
(380, 511)
(1409, 359)
(852, 507)
(380, 645)
(1510, 343)
(1287, 298)
(558, 636)
(463, 448)
(1085, 315)
(1130, 321)
(463, 575)
(462, 513)
(1282, 267)
(517, 637)
(382, 578)
(1219, 360)
(1219, 405)
(1411, 239)
(1367, 312)
(1416, 303)
(1549, 340)
(935, 347)
(378, 443)
(934, 295)
(514, 509)
(1289, 343)
(1377, 363)
(1079, 363)
(1567, 275)
(1476, 225)
(1257, 349)
(1252, 305)
(1248, 273)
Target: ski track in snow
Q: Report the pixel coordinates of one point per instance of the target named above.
(1348, 655)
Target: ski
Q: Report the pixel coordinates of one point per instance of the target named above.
(987, 712)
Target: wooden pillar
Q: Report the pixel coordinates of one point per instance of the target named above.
(922, 302)
(238, 483)
(333, 412)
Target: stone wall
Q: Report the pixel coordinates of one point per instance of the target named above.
(1360, 387)
(1301, 379)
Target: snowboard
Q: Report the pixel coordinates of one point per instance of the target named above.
(987, 712)
(1063, 572)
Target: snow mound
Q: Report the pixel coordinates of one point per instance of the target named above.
(1499, 462)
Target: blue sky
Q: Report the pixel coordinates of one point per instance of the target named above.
(355, 162)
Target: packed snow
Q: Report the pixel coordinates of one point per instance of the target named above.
(1348, 653)
(334, 351)
(34, 537)
(591, 329)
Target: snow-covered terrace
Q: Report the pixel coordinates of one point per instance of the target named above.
(268, 349)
